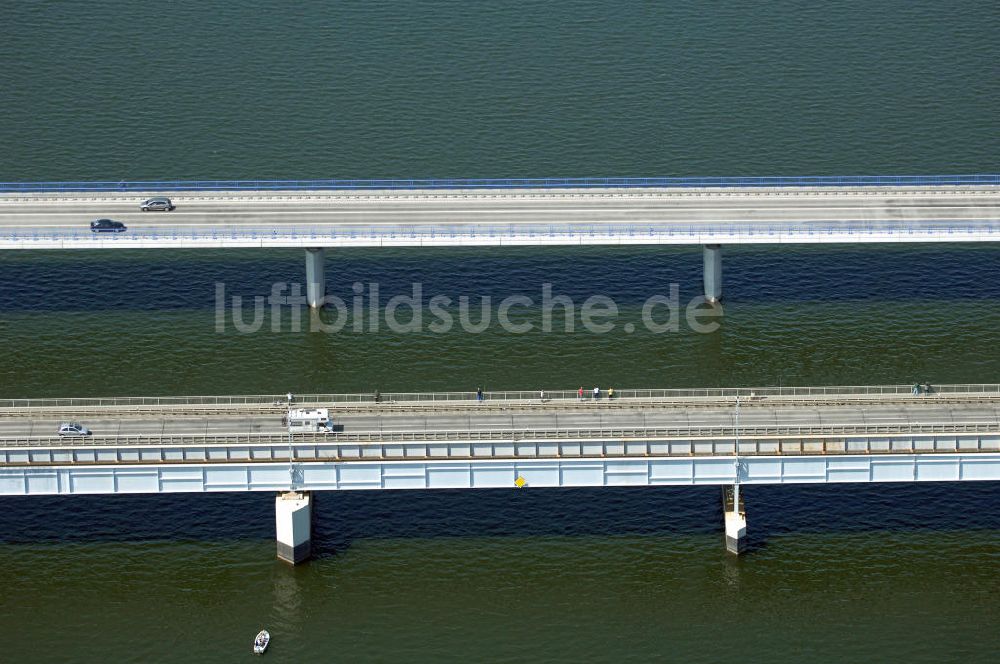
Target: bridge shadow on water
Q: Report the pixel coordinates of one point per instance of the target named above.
(162, 280)
(341, 518)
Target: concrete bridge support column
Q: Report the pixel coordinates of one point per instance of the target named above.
(315, 277)
(713, 272)
(736, 520)
(293, 521)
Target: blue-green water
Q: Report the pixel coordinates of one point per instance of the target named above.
(252, 90)
(114, 90)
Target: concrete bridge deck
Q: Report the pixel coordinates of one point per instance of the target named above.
(771, 419)
(815, 413)
(754, 211)
(433, 217)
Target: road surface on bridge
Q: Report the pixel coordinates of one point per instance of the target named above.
(756, 418)
(619, 206)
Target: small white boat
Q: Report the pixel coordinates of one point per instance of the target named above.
(260, 643)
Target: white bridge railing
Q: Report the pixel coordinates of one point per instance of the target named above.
(811, 181)
(486, 234)
(518, 434)
(509, 396)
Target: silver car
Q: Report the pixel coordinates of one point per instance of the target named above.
(73, 429)
(158, 204)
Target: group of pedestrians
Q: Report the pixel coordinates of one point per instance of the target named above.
(596, 393)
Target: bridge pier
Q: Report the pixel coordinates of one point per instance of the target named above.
(293, 525)
(315, 277)
(736, 519)
(712, 255)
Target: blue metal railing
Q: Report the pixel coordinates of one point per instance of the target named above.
(502, 183)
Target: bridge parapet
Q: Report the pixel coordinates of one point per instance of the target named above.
(731, 393)
(505, 399)
(509, 444)
(143, 186)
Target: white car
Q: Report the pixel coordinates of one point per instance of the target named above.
(73, 429)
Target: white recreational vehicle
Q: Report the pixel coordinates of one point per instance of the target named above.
(304, 420)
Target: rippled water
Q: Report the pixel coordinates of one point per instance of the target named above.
(838, 573)
(844, 572)
(451, 88)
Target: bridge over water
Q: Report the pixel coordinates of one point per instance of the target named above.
(317, 214)
(509, 439)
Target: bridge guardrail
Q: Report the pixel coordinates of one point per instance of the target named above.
(513, 435)
(503, 183)
(304, 451)
(402, 233)
(513, 396)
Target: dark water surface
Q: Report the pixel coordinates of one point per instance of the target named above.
(835, 573)
(255, 90)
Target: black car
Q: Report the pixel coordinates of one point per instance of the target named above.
(107, 226)
(160, 204)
